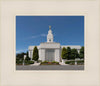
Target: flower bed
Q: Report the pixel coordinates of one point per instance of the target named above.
(49, 63)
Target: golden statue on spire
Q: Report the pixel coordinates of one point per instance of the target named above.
(49, 27)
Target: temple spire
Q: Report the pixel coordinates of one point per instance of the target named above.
(50, 35)
(49, 27)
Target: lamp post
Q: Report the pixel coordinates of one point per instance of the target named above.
(24, 59)
(75, 62)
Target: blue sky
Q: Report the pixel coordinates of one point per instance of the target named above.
(32, 30)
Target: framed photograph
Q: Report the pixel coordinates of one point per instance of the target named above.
(50, 54)
(49, 43)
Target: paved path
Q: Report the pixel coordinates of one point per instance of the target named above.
(51, 67)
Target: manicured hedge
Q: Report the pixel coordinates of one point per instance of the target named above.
(25, 62)
(45, 62)
(80, 62)
(19, 62)
(28, 62)
(31, 62)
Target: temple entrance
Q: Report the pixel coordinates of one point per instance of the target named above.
(49, 55)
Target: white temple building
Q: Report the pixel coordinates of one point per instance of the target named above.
(50, 51)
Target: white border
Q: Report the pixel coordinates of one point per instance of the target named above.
(9, 9)
(70, 14)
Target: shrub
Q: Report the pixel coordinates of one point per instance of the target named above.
(44, 62)
(20, 56)
(35, 54)
(68, 53)
(19, 61)
(28, 62)
(74, 54)
(53, 61)
(81, 62)
(57, 62)
(67, 62)
(39, 60)
(49, 63)
(64, 53)
(70, 62)
(31, 62)
(81, 52)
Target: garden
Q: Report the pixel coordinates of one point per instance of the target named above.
(49, 63)
(68, 54)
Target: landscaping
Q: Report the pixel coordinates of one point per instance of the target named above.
(25, 62)
(71, 55)
(28, 62)
(49, 63)
(79, 62)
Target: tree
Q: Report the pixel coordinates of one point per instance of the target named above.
(68, 53)
(27, 57)
(64, 53)
(74, 53)
(20, 58)
(35, 54)
(81, 54)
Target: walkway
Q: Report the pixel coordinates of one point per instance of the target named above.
(51, 67)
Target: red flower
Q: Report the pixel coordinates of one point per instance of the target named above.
(49, 62)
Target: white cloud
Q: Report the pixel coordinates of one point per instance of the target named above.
(35, 36)
(44, 35)
(19, 51)
(41, 35)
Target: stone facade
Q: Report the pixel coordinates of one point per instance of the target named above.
(50, 51)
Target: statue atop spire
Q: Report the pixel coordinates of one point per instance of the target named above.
(50, 35)
(49, 27)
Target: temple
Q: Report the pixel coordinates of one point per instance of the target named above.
(50, 50)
